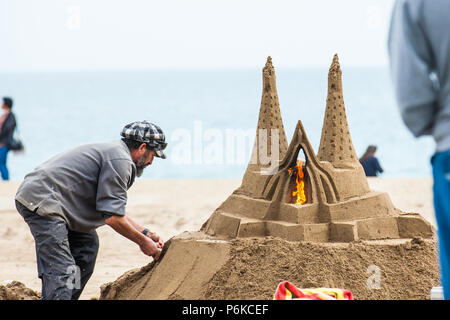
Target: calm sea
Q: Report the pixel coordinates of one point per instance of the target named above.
(196, 109)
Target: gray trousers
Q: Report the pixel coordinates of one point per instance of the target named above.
(65, 258)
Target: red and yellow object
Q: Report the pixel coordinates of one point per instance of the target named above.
(287, 291)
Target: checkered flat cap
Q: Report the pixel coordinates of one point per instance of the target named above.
(146, 132)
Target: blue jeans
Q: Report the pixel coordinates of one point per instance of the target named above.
(3, 169)
(441, 191)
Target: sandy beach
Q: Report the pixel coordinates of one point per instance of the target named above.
(167, 207)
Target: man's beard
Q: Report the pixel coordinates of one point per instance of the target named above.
(140, 164)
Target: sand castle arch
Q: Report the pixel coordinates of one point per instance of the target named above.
(340, 206)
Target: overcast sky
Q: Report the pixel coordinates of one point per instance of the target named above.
(61, 35)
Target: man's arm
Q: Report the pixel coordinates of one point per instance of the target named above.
(150, 234)
(412, 64)
(135, 225)
(122, 225)
(111, 200)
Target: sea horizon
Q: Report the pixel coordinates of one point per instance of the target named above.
(59, 110)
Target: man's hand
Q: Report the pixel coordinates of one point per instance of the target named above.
(122, 225)
(151, 235)
(156, 238)
(150, 248)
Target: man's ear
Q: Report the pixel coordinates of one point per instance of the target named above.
(142, 147)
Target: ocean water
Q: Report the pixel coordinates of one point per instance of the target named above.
(196, 109)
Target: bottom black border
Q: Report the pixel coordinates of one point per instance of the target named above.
(215, 309)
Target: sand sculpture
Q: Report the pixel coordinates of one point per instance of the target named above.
(315, 223)
(339, 205)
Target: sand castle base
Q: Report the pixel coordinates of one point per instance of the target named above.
(198, 266)
(341, 222)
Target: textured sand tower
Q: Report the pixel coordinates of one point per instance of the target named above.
(343, 236)
(336, 144)
(340, 206)
(270, 136)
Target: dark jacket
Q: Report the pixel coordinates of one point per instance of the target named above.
(7, 129)
(371, 167)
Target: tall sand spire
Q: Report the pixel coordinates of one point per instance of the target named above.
(269, 118)
(270, 129)
(336, 144)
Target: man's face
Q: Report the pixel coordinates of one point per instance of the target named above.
(144, 160)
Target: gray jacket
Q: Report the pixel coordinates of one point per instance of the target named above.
(82, 186)
(419, 50)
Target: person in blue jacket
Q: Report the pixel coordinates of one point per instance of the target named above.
(419, 52)
(370, 163)
(7, 127)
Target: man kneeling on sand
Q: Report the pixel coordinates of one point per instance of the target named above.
(67, 197)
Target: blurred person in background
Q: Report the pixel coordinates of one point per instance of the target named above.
(7, 127)
(370, 163)
(419, 51)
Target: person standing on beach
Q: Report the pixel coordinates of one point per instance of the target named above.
(67, 197)
(370, 163)
(7, 127)
(419, 50)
